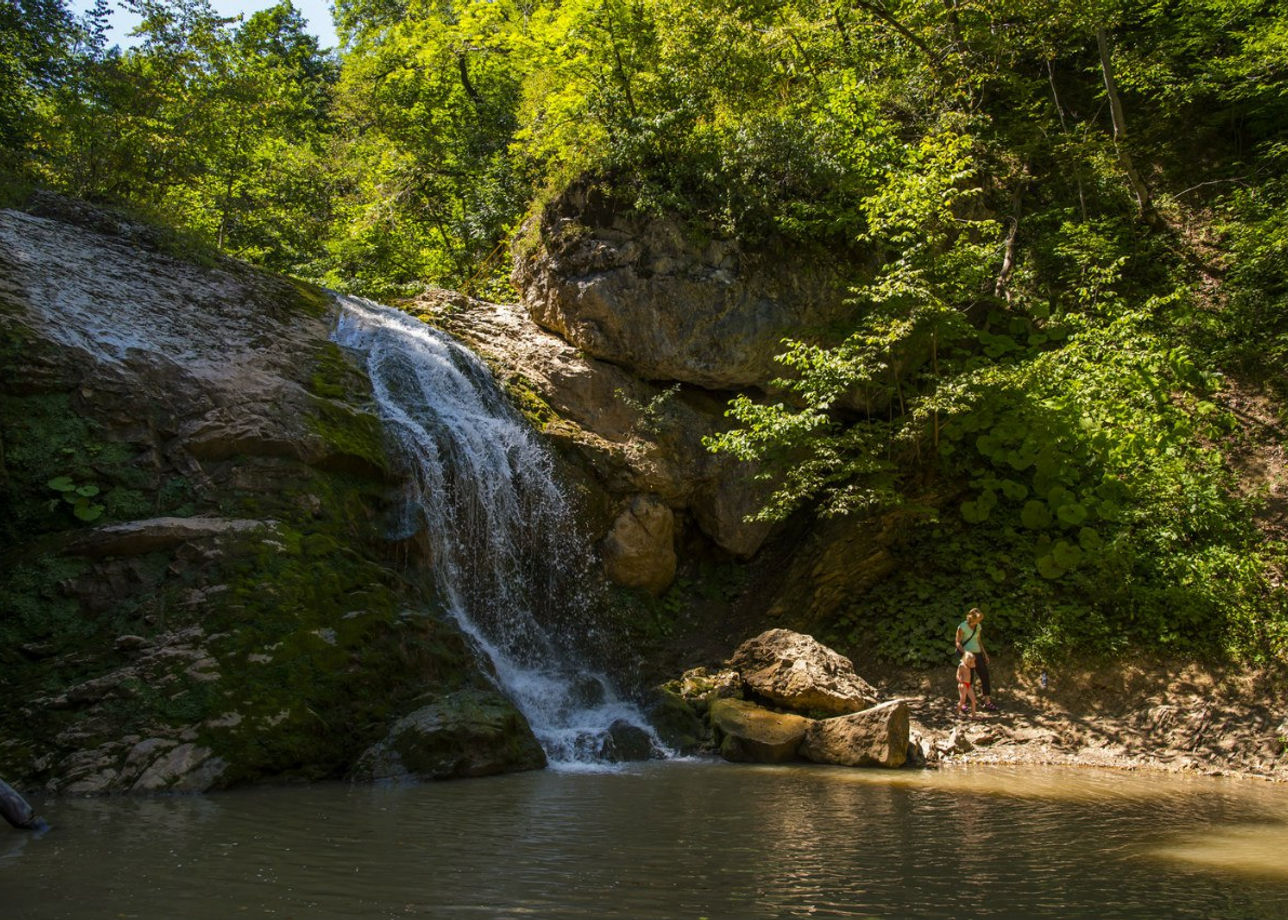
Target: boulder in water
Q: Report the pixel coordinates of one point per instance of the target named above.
(677, 721)
(467, 733)
(626, 742)
(796, 672)
(876, 737)
(753, 734)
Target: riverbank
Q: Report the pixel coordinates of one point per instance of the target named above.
(1136, 716)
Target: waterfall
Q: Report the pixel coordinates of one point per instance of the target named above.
(502, 543)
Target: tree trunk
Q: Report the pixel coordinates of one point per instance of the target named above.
(1002, 286)
(1143, 201)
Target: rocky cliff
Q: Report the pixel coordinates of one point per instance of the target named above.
(198, 586)
(670, 301)
(197, 591)
(632, 334)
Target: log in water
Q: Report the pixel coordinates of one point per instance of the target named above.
(16, 810)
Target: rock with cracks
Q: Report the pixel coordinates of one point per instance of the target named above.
(796, 672)
(639, 551)
(876, 737)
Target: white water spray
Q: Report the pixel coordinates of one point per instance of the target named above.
(500, 529)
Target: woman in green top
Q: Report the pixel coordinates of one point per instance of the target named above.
(970, 639)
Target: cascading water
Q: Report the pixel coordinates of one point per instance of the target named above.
(500, 529)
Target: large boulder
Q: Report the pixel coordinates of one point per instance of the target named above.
(672, 302)
(467, 733)
(625, 742)
(639, 551)
(797, 672)
(753, 734)
(876, 737)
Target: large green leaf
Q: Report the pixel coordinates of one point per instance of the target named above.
(1035, 515)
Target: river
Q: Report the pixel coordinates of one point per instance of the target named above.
(671, 841)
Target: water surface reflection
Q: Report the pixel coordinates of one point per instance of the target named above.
(671, 841)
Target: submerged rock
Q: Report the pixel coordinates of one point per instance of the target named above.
(796, 672)
(677, 722)
(467, 733)
(16, 810)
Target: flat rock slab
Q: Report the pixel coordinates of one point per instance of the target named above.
(753, 734)
(135, 538)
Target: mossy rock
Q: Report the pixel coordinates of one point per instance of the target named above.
(679, 724)
(285, 643)
(470, 732)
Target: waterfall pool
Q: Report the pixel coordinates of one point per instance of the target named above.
(671, 841)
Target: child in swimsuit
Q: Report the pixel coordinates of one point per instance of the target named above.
(965, 681)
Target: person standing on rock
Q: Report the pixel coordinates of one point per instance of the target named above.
(970, 639)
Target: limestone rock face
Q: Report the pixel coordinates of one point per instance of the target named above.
(639, 551)
(185, 768)
(659, 299)
(467, 733)
(797, 672)
(753, 734)
(630, 436)
(840, 560)
(876, 737)
(193, 479)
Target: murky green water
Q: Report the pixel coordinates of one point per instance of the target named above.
(677, 841)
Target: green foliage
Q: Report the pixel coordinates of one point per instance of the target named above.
(34, 52)
(1032, 346)
(1065, 221)
(429, 190)
(649, 414)
(78, 497)
(215, 127)
(37, 612)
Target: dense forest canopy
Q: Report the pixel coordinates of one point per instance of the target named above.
(1078, 212)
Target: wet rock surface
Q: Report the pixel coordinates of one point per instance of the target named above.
(467, 733)
(198, 591)
(628, 436)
